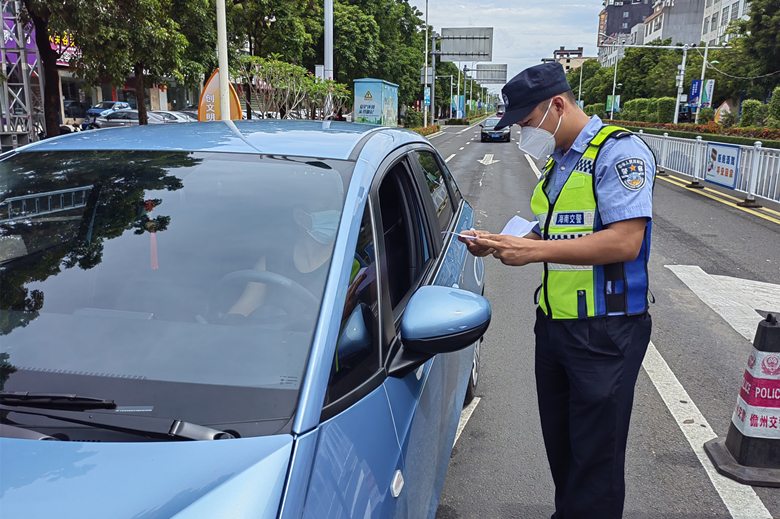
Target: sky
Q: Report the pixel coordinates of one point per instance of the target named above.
(524, 31)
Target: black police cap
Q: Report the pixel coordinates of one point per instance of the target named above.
(529, 88)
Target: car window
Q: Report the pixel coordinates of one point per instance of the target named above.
(404, 240)
(357, 349)
(188, 284)
(454, 189)
(437, 187)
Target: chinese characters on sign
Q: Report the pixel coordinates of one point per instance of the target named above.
(722, 164)
(208, 107)
(757, 413)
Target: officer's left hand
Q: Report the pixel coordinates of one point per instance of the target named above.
(511, 250)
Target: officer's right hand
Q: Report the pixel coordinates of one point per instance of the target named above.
(476, 250)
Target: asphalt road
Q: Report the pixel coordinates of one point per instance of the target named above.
(498, 467)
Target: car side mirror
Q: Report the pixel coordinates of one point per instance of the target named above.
(441, 319)
(436, 320)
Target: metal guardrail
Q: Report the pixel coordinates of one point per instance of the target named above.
(758, 171)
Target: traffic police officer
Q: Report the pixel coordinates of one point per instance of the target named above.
(593, 206)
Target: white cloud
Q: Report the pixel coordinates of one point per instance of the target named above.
(525, 31)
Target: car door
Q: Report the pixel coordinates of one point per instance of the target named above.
(357, 455)
(426, 403)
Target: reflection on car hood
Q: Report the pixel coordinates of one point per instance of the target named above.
(222, 478)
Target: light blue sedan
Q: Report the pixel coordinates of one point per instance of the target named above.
(265, 319)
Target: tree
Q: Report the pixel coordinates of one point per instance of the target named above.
(119, 37)
(43, 15)
(356, 43)
(588, 69)
(760, 38)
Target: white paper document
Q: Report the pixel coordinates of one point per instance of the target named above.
(518, 227)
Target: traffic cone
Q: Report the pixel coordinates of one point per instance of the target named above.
(750, 454)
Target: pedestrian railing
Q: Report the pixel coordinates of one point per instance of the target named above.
(752, 170)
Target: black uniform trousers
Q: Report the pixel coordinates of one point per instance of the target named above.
(585, 376)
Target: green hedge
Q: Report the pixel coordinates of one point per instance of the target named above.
(666, 110)
(751, 109)
(728, 139)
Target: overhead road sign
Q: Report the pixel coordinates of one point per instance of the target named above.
(491, 74)
(467, 44)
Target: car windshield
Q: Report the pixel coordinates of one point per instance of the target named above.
(490, 123)
(180, 285)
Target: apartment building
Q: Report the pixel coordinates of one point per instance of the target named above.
(570, 59)
(718, 14)
(679, 20)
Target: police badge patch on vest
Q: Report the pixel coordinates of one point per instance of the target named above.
(631, 173)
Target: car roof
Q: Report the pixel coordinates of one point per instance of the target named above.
(327, 140)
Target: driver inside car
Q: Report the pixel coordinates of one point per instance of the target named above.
(306, 262)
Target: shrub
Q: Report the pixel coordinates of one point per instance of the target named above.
(413, 118)
(641, 105)
(589, 110)
(773, 113)
(706, 115)
(427, 130)
(773, 123)
(728, 119)
(600, 109)
(652, 117)
(642, 115)
(666, 110)
(750, 113)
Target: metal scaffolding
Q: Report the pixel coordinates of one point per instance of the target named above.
(21, 81)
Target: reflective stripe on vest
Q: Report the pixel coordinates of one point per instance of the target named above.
(570, 291)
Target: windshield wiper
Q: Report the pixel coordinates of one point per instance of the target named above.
(163, 428)
(54, 401)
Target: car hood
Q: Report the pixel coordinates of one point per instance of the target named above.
(237, 478)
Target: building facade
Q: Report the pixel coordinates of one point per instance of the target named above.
(619, 16)
(679, 20)
(568, 58)
(611, 49)
(718, 14)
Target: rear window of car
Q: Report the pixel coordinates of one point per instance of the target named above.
(143, 277)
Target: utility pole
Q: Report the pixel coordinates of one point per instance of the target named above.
(433, 85)
(425, 109)
(457, 99)
(579, 92)
(680, 82)
(614, 84)
(328, 39)
(222, 63)
(701, 86)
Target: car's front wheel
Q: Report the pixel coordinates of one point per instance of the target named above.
(474, 375)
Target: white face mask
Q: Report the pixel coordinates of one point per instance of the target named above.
(324, 224)
(537, 142)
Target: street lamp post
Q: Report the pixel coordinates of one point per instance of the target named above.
(425, 70)
(328, 39)
(701, 93)
(222, 60)
(614, 84)
(579, 92)
(680, 82)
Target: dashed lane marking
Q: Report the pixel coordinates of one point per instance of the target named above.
(461, 148)
(450, 157)
(533, 166)
(741, 500)
(465, 415)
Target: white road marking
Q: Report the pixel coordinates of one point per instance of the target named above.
(465, 415)
(487, 160)
(741, 500)
(468, 143)
(734, 299)
(462, 147)
(533, 166)
(450, 157)
(437, 134)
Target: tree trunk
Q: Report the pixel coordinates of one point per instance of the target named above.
(51, 78)
(249, 100)
(140, 94)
